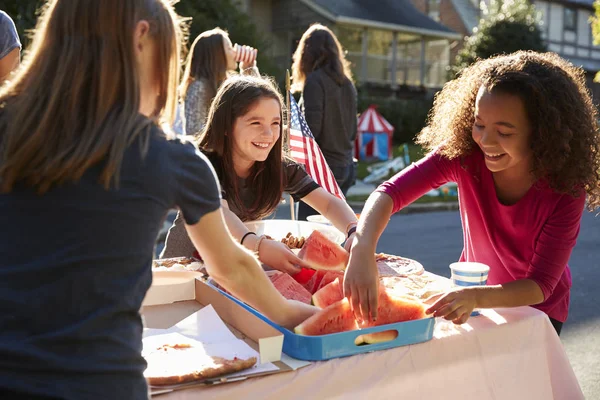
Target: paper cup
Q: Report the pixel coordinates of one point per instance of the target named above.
(466, 274)
(469, 273)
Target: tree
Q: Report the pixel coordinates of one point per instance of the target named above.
(203, 15)
(506, 26)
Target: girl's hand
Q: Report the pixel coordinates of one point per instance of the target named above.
(361, 284)
(455, 306)
(297, 312)
(247, 57)
(277, 255)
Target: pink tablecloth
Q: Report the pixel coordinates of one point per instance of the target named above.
(504, 354)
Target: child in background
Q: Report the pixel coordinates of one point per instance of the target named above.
(322, 73)
(211, 59)
(243, 140)
(519, 135)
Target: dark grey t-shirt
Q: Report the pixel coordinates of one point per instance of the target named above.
(296, 182)
(75, 264)
(9, 38)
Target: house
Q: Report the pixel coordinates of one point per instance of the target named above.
(565, 26)
(567, 30)
(394, 48)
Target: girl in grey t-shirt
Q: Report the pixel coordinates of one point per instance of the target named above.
(243, 141)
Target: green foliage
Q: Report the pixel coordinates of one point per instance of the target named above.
(407, 116)
(24, 14)
(204, 15)
(506, 26)
(227, 15)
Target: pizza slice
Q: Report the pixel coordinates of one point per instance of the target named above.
(178, 363)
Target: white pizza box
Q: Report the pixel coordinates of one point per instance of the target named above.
(176, 295)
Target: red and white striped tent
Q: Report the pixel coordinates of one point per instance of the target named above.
(374, 136)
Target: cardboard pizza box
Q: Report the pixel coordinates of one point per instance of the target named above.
(176, 295)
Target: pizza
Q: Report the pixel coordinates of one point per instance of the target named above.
(420, 286)
(173, 364)
(391, 265)
(177, 264)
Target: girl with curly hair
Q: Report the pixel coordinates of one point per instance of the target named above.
(518, 133)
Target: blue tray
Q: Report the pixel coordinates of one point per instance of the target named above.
(325, 347)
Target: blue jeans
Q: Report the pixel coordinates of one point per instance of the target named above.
(344, 176)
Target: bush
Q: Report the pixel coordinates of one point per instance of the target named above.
(507, 26)
(407, 116)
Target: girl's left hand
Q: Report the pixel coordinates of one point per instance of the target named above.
(349, 241)
(455, 306)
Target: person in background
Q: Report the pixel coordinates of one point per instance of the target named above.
(82, 199)
(10, 46)
(322, 73)
(243, 140)
(519, 135)
(211, 59)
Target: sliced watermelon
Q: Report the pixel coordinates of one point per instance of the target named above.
(323, 254)
(328, 294)
(329, 277)
(289, 288)
(338, 317)
(392, 309)
(315, 280)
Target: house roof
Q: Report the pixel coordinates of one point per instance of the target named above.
(397, 15)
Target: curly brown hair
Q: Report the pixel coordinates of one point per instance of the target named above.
(565, 136)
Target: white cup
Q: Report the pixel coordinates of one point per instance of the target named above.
(467, 273)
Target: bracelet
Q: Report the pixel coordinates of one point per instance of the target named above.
(257, 245)
(351, 231)
(350, 226)
(246, 235)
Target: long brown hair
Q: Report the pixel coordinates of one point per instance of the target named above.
(75, 100)
(207, 61)
(565, 138)
(319, 48)
(234, 99)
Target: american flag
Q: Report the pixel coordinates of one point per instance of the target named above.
(305, 150)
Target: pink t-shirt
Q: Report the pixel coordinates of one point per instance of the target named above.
(531, 239)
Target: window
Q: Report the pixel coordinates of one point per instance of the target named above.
(570, 16)
(433, 9)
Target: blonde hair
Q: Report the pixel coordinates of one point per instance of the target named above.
(75, 100)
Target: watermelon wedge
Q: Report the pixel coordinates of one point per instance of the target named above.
(323, 254)
(338, 317)
(289, 288)
(392, 309)
(328, 294)
(329, 277)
